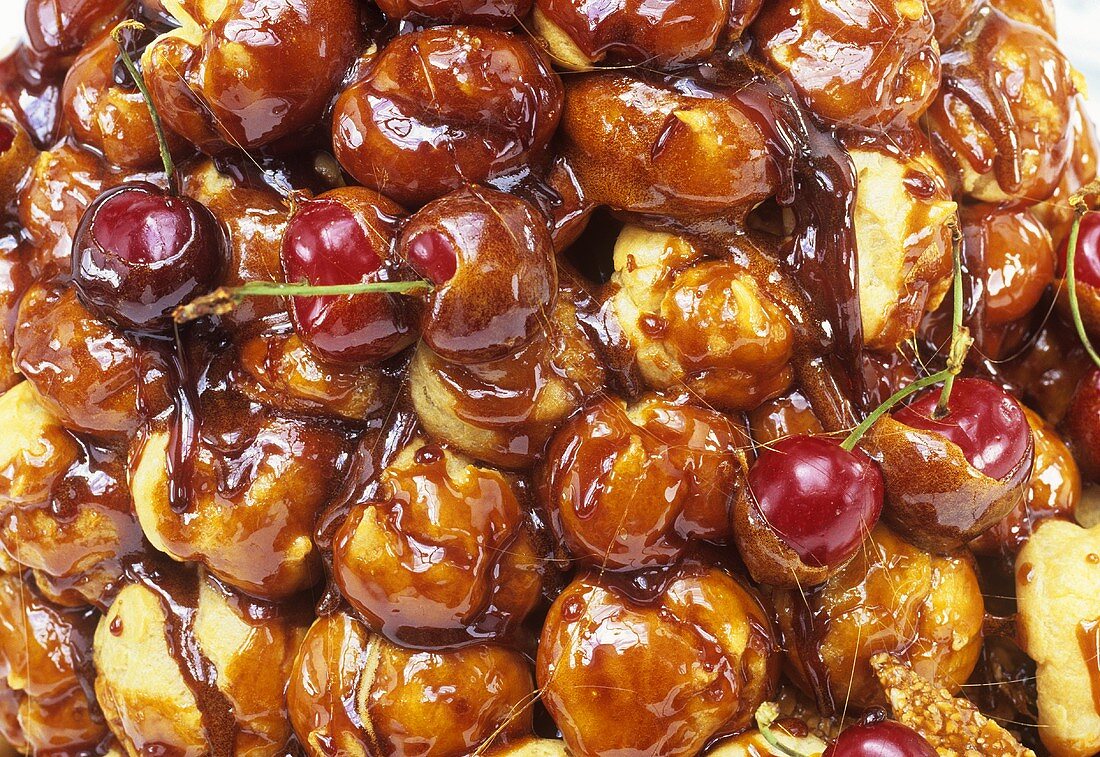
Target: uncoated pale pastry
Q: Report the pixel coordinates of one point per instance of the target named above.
(1058, 592)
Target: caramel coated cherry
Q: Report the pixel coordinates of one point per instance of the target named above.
(344, 237)
(949, 479)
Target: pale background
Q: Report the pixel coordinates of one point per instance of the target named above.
(1078, 23)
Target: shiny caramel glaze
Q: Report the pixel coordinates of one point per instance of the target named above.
(504, 411)
(244, 74)
(442, 557)
(353, 693)
(104, 109)
(1048, 368)
(442, 107)
(660, 662)
(278, 369)
(95, 377)
(787, 415)
(65, 506)
(58, 29)
(253, 219)
(62, 184)
(706, 325)
(495, 13)
(1004, 142)
(46, 661)
(892, 597)
(236, 486)
(189, 667)
(1012, 256)
(950, 16)
(504, 282)
(864, 64)
(935, 497)
(1054, 491)
(30, 94)
(1056, 213)
(903, 209)
(349, 329)
(15, 278)
(634, 145)
(630, 487)
(580, 33)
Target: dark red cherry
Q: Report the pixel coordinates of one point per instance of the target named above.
(1082, 425)
(820, 498)
(432, 256)
(986, 423)
(7, 137)
(884, 738)
(1086, 263)
(326, 242)
(140, 252)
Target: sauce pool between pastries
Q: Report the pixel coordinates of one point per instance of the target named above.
(528, 496)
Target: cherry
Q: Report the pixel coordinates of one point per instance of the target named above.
(1082, 425)
(432, 255)
(986, 423)
(7, 137)
(819, 497)
(881, 738)
(1086, 263)
(139, 252)
(329, 242)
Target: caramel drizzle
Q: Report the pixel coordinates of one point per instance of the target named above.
(178, 593)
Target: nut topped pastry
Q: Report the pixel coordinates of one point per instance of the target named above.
(547, 378)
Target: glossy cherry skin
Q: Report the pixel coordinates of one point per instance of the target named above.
(140, 252)
(1086, 263)
(886, 738)
(327, 242)
(985, 422)
(821, 499)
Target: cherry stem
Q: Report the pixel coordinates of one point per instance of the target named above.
(224, 299)
(154, 115)
(859, 431)
(1080, 210)
(960, 335)
(766, 715)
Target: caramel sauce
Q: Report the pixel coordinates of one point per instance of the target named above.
(177, 589)
(1088, 637)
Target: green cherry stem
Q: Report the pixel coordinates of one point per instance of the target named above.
(154, 116)
(224, 299)
(1080, 210)
(960, 335)
(859, 431)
